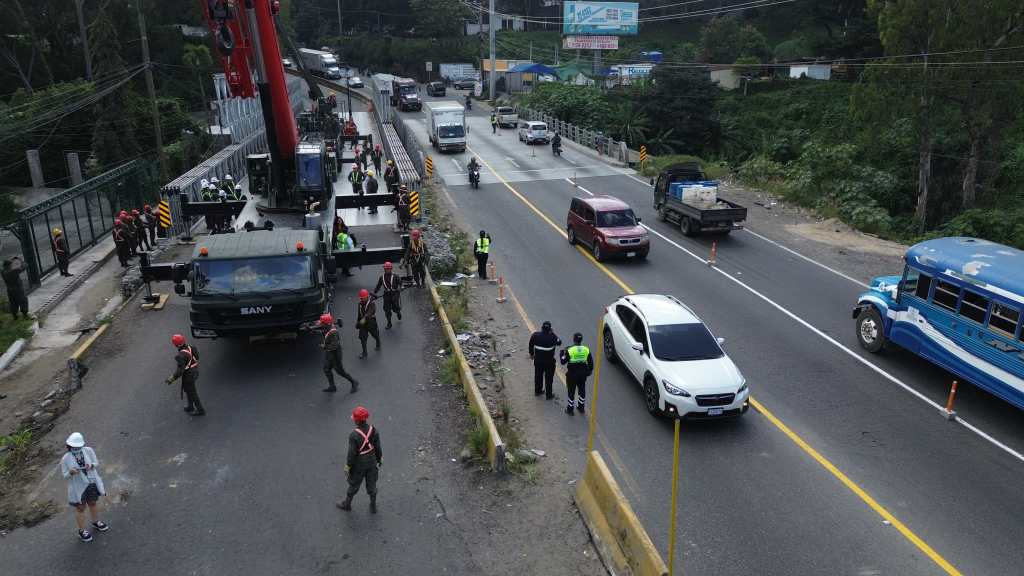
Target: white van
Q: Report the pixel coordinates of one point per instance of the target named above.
(532, 131)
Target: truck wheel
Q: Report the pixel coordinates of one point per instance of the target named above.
(870, 330)
(662, 213)
(688, 226)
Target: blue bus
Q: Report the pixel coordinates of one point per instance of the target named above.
(959, 305)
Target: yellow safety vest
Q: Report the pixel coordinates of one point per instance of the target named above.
(342, 241)
(578, 354)
(483, 245)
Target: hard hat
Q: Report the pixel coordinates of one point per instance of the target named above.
(369, 173)
(123, 213)
(135, 212)
(228, 177)
(56, 231)
(391, 162)
(117, 221)
(360, 414)
(577, 338)
(326, 320)
(204, 182)
(146, 208)
(238, 187)
(75, 440)
(178, 340)
(483, 233)
(214, 180)
(377, 147)
(364, 294)
(416, 233)
(388, 265)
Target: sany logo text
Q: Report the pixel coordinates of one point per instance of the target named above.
(256, 310)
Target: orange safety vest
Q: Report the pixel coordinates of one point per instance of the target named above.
(388, 286)
(329, 332)
(367, 446)
(192, 362)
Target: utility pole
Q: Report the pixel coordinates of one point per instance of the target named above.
(341, 29)
(85, 39)
(152, 92)
(494, 63)
(531, 50)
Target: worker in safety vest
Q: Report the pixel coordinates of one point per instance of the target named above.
(392, 286)
(364, 459)
(416, 257)
(579, 364)
(141, 240)
(60, 251)
(120, 242)
(366, 321)
(376, 155)
(344, 242)
(391, 177)
(542, 350)
(355, 177)
(151, 222)
(187, 359)
(130, 232)
(402, 207)
(332, 354)
(371, 187)
(482, 249)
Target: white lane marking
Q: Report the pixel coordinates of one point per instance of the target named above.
(512, 162)
(809, 259)
(838, 345)
(570, 181)
(457, 165)
(571, 161)
(786, 248)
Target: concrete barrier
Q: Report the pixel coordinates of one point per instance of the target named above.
(75, 362)
(620, 538)
(495, 446)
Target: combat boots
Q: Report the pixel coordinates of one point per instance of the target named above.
(346, 504)
(373, 504)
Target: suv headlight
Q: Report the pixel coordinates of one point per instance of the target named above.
(743, 388)
(674, 390)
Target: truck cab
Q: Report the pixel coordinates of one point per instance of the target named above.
(404, 94)
(447, 126)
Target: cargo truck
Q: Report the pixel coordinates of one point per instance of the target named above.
(447, 126)
(683, 195)
(320, 63)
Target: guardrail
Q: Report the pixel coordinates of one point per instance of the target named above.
(603, 145)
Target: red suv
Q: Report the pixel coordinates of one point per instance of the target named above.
(608, 226)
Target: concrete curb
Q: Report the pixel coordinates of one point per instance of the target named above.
(477, 404)
(75, 364)
(12, 352)
(618, 534)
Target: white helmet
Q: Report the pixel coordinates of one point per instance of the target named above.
(238, 187)
(214, 180)
(204, 182)
(76, 440)
(228, 177)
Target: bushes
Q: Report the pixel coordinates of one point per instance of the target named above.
(656, 164)
(1003, 226)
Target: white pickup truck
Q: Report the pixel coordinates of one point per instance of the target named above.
(447, 125)
(507, 116)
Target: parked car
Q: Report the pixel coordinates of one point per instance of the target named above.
(464, 84)
(435, 89)
(507, 116)
(355, 82)
(608, 226)
(287, 63)
(531, 131)
(680, 365)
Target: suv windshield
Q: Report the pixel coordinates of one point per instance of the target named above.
(538, 127)
(406, 89)
(451, 131)
(616, 218)
(249, 275)
(681, 342)
(504, 110)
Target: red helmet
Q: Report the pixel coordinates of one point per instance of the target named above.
(123, 213)
(387, 265)
(364, 294)
(326, 320)
(178, 340)
(146, 208)
(377, 147)
(360, 414)
(117, 221)
(135, 212)
(416, 233)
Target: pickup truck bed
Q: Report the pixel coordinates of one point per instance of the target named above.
(722, 217)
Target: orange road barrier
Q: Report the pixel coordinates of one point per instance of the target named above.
(492, 273)
(714, 254)
(950, 413)
(501, 289)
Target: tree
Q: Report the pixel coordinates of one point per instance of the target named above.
(684, 100)
(435, 18)
(114, 132)
(197, 57)
(725, 39)
(630, 124)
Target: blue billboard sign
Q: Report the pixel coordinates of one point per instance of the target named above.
(600, 18)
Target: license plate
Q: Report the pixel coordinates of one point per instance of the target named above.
(715, 411)
(630, 254)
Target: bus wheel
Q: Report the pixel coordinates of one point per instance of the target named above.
(870, 330)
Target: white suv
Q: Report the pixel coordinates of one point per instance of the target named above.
(531, 131)
(681, 366)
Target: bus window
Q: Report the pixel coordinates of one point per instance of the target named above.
(1004, 319)
(946, 295)
(923, 284)
(974, 306)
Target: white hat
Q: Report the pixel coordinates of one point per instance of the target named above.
(214, 180)
(228, 177)
(238, 186)
(204, 182)
(76, 440)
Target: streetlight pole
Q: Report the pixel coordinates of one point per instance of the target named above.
(85, 39)
(490, 30)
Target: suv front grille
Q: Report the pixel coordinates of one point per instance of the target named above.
(715, 399)
(628, 241)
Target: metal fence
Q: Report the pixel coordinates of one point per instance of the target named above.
(594, 140)
(85, 213)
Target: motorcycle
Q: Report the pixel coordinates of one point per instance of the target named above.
(474, 177)
(556, 149)
(469, 105)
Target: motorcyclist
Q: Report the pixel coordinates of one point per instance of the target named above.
(474, 170)
(469, 103)
(556, 143)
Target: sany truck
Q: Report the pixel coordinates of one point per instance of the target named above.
(447, 126)
(320, 63)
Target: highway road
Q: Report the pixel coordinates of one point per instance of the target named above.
(845, 467)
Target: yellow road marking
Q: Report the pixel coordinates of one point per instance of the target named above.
(824, 462)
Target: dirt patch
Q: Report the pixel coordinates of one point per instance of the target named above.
(836, 233)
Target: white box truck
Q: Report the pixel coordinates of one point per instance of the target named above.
(320, 63)
(447, 126)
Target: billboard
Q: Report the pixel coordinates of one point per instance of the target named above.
(590, 42)
(600, 18)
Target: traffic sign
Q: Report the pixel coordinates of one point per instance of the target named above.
(430, 66)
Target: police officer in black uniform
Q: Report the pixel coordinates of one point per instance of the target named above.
(542, 350)
(187, 359)
(392, 286)
(579, 364)
(366, 321)
(332, 355)
(364, 459)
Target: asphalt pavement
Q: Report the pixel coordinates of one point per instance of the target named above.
(908, 492)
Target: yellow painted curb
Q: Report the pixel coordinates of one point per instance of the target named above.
(89, 342)
(620, 537)
(495, 446)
